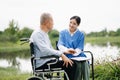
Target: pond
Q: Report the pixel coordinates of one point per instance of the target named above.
(102, 53)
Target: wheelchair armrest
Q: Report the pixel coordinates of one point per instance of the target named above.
(56, 58)
(89, 52)
(45, 57)
(50, 56)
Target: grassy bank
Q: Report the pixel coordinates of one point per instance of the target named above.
(108, 71)
(11, 50)
(11, 73)
(9, 47)
(105, 71)
(103, 40)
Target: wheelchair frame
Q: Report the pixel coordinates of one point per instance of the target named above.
(44, 74)
(47, 74)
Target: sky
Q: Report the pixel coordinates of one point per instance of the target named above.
(96, 15)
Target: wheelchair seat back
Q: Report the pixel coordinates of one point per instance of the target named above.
(32, 56)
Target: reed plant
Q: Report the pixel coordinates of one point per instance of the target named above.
(108, 71)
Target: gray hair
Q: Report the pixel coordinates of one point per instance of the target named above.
(44, 17)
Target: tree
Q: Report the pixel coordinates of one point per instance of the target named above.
(102, 33)
(10, 34)
(1, 32)
(118, 32)
(54, 34)
(25, 32)
(112, 33)
(12, 29)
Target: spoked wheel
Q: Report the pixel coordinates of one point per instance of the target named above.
(35, 78)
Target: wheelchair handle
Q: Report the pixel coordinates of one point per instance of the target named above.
(24, 39)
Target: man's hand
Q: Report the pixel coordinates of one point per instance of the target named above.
(70, 51)
(66, 60)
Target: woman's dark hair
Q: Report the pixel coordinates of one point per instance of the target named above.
(77, 18)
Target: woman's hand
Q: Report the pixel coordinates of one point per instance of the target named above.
(70, 51)
(66, 60)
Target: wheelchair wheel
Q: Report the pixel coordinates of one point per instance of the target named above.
(35, 78)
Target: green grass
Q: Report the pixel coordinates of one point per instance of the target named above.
(11, 50)
(11, 73)
(103, 40)
(9, 47)
(107, 71)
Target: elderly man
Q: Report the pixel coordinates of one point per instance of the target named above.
(43, 47)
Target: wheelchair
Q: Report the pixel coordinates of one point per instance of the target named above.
(50, 73)
(45, 74)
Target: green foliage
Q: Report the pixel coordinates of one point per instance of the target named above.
(107, 71)
(13, 33)
(104, 33)
(25, 32)
(54, 34)
(1, 32)
(15, 49)
(113, 33)
(10, 38)
(98, 34)
(10, 34)
(12, 29)
(103, 40)
(11, 73)
(118, 31)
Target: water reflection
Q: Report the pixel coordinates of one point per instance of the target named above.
(24, 65)
(103, 52)
(4, 63)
